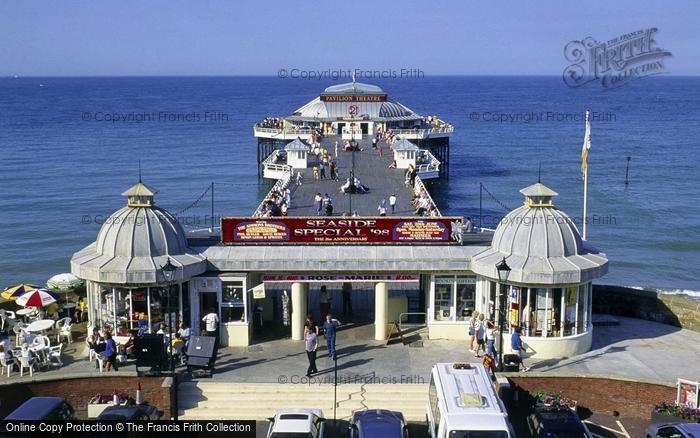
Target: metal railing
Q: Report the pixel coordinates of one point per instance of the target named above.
(432, 165)
(270, 163)
(423, 132)
(282, 131)
(281, 184)
(418, 186)
(412, 325)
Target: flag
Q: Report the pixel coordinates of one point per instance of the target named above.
(259, 291)
(586, 144)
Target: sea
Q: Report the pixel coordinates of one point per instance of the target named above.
(70, 146)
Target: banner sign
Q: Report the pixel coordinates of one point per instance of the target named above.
(340, 230)
(353, 98)
(355, 278)
(688, 393)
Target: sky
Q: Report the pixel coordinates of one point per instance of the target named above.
(178, 37)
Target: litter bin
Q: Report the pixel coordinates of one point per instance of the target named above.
(511, 363)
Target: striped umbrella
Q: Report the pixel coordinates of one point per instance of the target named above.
(14, 292)
(37, 298)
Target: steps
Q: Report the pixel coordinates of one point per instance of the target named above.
(259, 401)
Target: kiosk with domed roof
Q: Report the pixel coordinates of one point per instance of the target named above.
(125, 281)
(548, 289)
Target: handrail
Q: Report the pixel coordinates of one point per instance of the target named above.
(281, 184)
(283, 131)
(401, 324)
(420, 186)
(423, 131)
(270, 163)
(432, 165)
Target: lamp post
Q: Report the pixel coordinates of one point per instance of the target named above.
(169, 271)
(503, 271)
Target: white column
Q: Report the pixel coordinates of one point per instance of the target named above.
(300, 293)
(381, 310)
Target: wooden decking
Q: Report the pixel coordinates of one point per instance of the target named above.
(372, 171)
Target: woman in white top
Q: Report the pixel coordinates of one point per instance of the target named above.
(479, 334)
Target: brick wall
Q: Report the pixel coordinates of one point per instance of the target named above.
(629, 398)
(78, 391)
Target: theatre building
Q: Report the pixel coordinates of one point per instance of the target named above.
(263, 273)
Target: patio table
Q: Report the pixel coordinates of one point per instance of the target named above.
(40, 326)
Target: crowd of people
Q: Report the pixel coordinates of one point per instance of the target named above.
(277, 202)
(482, 338)
(423, 204)
(271, 122)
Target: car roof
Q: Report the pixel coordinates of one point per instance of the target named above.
(35, 408)
(379, 423)
(689, 427)
(119, 412)
(559, 420)
(295, 420)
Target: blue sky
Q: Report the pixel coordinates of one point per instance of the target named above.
(174, 37)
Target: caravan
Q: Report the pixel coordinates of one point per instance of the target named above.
(462, 403)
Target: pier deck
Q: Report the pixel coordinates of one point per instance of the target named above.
(371, 169)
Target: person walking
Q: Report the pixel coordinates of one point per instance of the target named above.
(323, 169)
(334, 171)
(329, 329)
(479, 334)
(517, 348)
(382, 208)
(311, 343)
(473, 321)
(317, 203)
(336, 149)
(347, 299)
(392, 203)
(299, 178)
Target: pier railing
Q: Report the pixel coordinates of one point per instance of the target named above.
(431, 167)
(272, 167)
(280, 185)
(418, 186)
(283, 133)
(424, 132)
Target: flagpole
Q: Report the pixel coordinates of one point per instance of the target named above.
(585, 202)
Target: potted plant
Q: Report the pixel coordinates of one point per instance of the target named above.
(553, 400)
(668, 412)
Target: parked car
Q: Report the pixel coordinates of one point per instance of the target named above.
(297, 423)
(130, 413)
(43, 409)
(674, 430)
(546, 422)
(378, 423)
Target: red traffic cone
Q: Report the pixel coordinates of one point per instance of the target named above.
(139, 394)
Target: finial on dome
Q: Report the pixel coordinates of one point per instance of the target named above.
(538, 195)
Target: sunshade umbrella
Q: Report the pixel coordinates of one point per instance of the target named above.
(14, 292)
(37, 298)
(64, 282)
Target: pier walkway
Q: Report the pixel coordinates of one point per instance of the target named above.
(372, 171)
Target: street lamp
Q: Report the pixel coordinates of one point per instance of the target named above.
(169, 274)
(503, 272)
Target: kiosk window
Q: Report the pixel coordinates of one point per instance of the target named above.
(232, 302)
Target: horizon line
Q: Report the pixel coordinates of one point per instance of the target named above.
(13, 76)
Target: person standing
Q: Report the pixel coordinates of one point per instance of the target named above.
(110, 352)
(334, 171)
(329, 329)
(469, 225)
(336, 149)
(490, 339)
(347, 299)
(392, 203)
(311, 342)
(479, 334)
(325, 302)
(382, 208)
(473, 321)
(299, 178)
(317, 203)
(211, 325)
(516, 346)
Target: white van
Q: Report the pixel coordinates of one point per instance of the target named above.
(462, 403)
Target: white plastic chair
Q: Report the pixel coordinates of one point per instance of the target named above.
(17, 329)
(90, 352)
(26, 362)
(54, 353)
(8, 364)
(65, 332)
(100, 358)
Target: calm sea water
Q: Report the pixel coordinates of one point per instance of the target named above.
(63, 167)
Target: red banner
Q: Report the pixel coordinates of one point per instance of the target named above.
(339, 230)
(353, 98)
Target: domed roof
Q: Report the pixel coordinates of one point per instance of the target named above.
(541, 244)
(134, 242)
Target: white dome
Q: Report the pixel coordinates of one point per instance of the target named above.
(134, 243)
(537, 232)
(541, 245)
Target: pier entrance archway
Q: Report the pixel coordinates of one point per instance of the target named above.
(371, 300)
